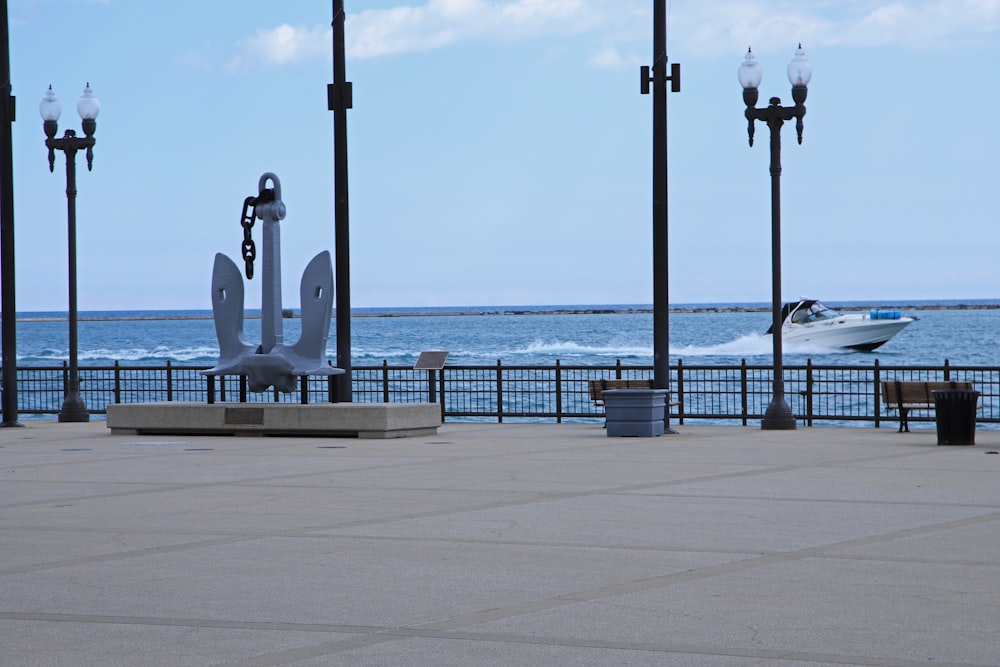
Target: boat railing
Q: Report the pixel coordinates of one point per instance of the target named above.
(716, 394)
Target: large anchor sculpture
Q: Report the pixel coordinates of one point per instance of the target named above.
(272, 362)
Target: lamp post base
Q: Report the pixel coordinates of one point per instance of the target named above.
(778, 416)
(73, 411)
(73, 408)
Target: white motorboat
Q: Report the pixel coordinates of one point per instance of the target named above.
(809, 321)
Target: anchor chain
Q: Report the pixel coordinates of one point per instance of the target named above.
(249, 248)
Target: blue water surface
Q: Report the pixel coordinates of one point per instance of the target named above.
(965, 333)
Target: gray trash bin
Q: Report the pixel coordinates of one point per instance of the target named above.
(956, 416)
(635, 412)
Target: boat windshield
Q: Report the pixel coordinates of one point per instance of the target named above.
(815, 312)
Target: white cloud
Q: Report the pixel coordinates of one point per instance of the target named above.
(411, 28)
(940, 21)
(607, 58)
(610, 57)
(698, 27)
(379, 32)
(711, 26)
(283, 45)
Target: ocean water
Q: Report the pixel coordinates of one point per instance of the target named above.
(963, 332)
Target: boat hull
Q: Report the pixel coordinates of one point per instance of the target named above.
(856, 332)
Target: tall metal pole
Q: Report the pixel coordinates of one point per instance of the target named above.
(73, 408)
(8, 308)
(661, 296)
(339, 99)
(778, 415)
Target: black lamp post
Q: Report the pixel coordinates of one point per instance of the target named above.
(8, 306)
(73, 408)
(661, 299)
(778, 415)
(339, 100)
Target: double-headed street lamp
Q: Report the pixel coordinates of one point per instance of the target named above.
(73, 408)
(778, 415)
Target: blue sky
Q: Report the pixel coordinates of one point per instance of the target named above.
(500, 151)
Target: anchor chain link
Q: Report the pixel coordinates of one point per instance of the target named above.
(249, 248)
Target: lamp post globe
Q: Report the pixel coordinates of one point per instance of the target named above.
(49, 108)
(800, 70)
(88, 106)
(750, 72)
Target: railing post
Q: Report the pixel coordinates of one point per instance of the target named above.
(499, 392)
(744, 400)
(243, 389)
(877, 394)
(441, 393)
(618, 369)
(809, 392)
(65, 374)
(222, 388)
(558, 392)
(170, 383)
(680, 392)
(211, 388)
(331, 389)
(385, 381)
(304, 389)
(118, 382)
(947, 371)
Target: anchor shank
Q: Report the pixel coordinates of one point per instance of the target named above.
(270, 304)
(270, 213)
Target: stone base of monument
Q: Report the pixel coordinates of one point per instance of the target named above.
(348, 420)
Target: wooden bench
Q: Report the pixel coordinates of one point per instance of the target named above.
(598, 387)
(914, 395)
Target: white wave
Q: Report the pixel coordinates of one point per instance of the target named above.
(159, 352)
(752, 345)
(571, 349)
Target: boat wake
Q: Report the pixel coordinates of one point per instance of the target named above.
(753, 345)
(749, 345)
(572, 350)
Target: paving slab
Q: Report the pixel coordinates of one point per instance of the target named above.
(499, 544)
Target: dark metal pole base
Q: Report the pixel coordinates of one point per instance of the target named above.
(11, 424)
(778, 417)
(73, 409)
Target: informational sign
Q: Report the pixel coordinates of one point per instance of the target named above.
(431, 360)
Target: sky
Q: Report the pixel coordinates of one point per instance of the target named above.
(500, 151)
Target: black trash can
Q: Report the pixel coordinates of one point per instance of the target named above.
(956, 416)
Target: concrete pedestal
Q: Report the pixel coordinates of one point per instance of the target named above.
(352, 420)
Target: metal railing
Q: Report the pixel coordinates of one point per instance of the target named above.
(817, 393)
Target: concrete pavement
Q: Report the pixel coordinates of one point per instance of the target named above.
(510, 544)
